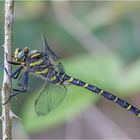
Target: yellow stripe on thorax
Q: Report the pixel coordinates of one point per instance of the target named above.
(53, 78)
(36, 63)
(34, 55)
(128, 107)
(42, 72)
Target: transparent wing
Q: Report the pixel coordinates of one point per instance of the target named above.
(50, 97)
(48, 50)
(56, 95)
(41, 103)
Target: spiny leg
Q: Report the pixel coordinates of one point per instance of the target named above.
(12, 62)
(15, 74)
(18, 91)
(24, 85)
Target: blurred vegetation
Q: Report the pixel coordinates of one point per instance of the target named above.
(115, 24)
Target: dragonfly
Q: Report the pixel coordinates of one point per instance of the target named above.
(54, 89)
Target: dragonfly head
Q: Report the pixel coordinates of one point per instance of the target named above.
(21, 54)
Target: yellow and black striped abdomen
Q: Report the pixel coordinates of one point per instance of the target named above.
(103, 93)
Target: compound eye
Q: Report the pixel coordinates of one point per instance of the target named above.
(17, 52)
(21, 54)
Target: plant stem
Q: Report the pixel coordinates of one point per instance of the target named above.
(6, 88)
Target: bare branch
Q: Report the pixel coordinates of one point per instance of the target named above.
(12, 115)
(6, 88)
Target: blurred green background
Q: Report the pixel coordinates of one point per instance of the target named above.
(97, 42)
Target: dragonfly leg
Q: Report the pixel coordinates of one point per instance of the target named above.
(24, 84)
(18, 91)
(15, 74)
(12, 62)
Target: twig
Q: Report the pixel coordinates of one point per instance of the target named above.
(77, 29)
(6, 88)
